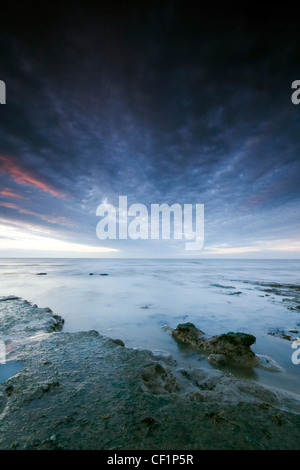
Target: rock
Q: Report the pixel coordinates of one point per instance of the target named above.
(119, 342)
(23, 322)
(280, 334)
(235, 346)
(289, 293)
(266, 362)
(101, 274)
(159, 380)
(188, 327)
(167, 329)
(8, 297)
(187, 333)
(222, 287)
(165, 356)
(149, 421)
(224, 348)
(218, 359)
(9, 389)
(237, 339)
(57, 324)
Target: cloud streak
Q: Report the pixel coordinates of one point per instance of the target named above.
(61, 220)
(6, 192)
(21, 176)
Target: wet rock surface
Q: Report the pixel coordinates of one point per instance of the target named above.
(20, 319)
(119, 342)
(83, 391)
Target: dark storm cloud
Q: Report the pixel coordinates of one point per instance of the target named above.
(163, 103)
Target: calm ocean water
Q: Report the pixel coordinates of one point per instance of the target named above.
(133, 299)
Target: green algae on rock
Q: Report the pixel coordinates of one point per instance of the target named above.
(231, 346)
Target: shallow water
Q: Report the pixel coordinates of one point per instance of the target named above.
(9, 369)
(136, 297)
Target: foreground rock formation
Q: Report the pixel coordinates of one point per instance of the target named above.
(85, 391)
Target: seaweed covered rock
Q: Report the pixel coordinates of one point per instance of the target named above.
(187, 333)
(234, 346)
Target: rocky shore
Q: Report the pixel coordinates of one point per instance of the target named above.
(290, 295)
(86, 391)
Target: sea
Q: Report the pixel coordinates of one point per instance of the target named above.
(135, 299)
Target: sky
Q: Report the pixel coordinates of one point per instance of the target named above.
(162, 102)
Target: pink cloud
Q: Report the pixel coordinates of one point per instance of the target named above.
(24, 177)
(9, 193)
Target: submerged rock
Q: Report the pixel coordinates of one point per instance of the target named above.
(266, 362)
(280, 334)
(101, 274)
(222, 287)
(217, 359)
(289, 293)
